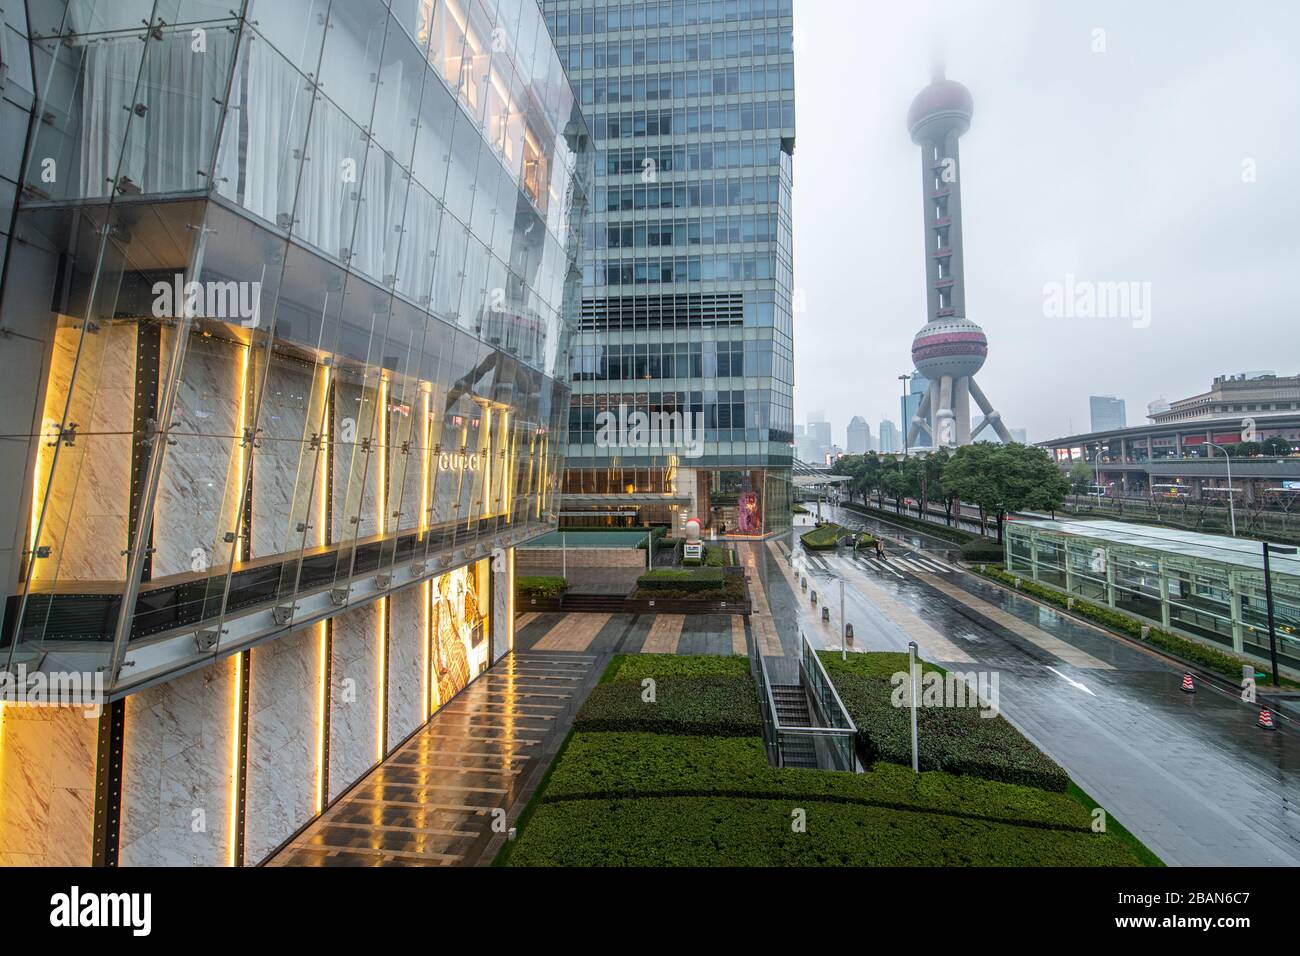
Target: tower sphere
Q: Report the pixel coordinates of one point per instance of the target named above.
(942, 105)
(955, 347)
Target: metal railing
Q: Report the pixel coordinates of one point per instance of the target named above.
(831, 741)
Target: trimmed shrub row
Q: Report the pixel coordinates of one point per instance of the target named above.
(709, 706)
(540, 586)
(636, 667)
(956, 740)
(713, 831)
(633, 765)
(824, 537)
(1211, 658)
(673, 579)
(715, 556)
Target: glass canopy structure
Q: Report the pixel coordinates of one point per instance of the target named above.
(1206, 586)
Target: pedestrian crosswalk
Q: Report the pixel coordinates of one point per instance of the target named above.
(911, 562)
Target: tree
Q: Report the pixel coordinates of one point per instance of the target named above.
(1005, 478)
(1081, 477)
(894, 483)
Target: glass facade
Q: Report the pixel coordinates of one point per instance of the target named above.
(1206, 586)
(682, 369)
(307, 274)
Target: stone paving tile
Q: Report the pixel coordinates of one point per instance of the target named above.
(574, 633)
(664, 634)
(434, 800)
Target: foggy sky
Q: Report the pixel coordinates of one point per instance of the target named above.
(1125, 165)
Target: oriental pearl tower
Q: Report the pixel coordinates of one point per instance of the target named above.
(950, 348)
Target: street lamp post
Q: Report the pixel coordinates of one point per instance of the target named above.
(1096, 465)
(844, 629)
(1268, 603)
(915, 684)
(1232, 507)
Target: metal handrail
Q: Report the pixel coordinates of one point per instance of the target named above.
(776, 722)
(808, 651)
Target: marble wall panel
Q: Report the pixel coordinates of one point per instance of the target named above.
(407, 661)
(47, 785)
(284, 715)
(284, 467)
(198, 498)
(178, 770)
(354, 695)
(356, 469)
(503, 607)
(87, 518)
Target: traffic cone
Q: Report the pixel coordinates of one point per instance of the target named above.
(1188, 686)
(1266, 719)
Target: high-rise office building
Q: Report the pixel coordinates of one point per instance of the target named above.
(889, 440)
(1106, 412)
(284, 321)
(858, 436)
(918, 387)
(819, 434)
(682, 367)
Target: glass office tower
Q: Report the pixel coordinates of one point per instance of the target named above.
(287, 307)
(682, 372)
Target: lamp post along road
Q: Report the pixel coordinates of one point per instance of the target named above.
(844, 630)
(915, 679)
(1268, 604)
(1232, 507)
(906, 427)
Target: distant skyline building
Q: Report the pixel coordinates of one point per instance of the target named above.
(819, 435)
(889, 443)
(949, 349)
(1106, 412)
(857, 436)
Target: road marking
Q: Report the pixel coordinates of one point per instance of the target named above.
(664, 634)
(934, 645)
(882, 566)
(1070, 681)
(1036, 636)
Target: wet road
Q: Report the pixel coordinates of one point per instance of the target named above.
(1190, 775)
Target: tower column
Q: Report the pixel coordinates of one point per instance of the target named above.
(961, 409)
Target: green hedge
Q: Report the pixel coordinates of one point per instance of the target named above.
(1211, 658)
(710, 706)
(540, 586)
(956, 740)
(715, 556)
(633, 765)
(673, 579)
(712, 831)
(884, 664)
(637, 666)
(824, 537)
